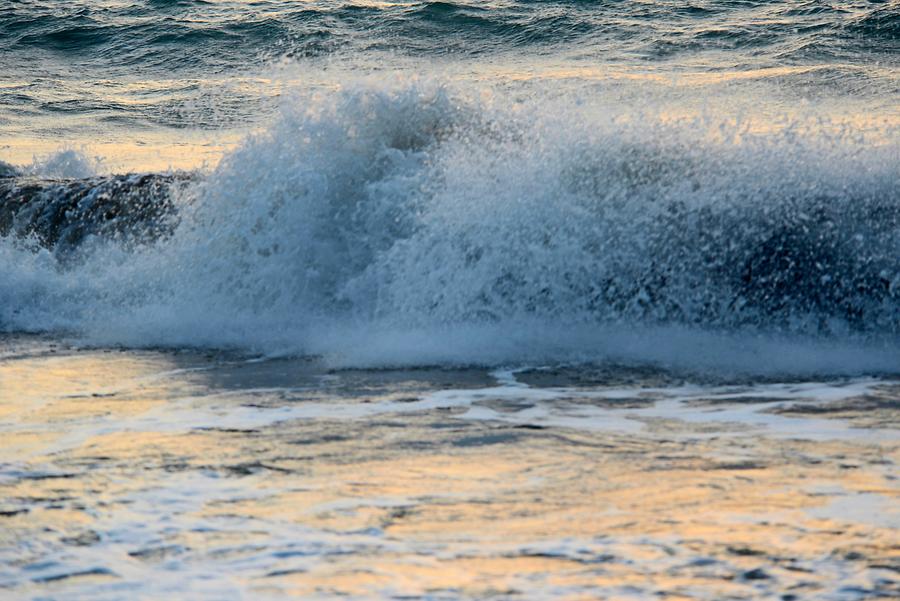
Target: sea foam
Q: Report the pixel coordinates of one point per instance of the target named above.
(411, 222)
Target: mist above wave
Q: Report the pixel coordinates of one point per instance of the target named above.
(474, 226)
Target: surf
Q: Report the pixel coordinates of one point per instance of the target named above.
(449, 218)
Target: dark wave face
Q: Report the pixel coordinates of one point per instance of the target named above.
(61, 214)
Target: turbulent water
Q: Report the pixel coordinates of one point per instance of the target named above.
(506, 299)
(713, 184)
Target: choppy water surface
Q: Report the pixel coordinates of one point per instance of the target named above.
(147, 473)
(251, 251)
(153, 72)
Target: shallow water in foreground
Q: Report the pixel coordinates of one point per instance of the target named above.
(207, 476)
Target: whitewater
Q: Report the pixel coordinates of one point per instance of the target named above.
(432, 221)
(513, 299)
(430, 183)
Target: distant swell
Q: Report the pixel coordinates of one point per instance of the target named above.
(195, 36)
(415, 208)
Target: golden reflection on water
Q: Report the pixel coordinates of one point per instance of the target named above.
(151, 153)
(671, 96)
(498, 513)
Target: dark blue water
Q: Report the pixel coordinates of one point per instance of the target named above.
(200, 37)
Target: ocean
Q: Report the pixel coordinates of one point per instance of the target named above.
(260, 255)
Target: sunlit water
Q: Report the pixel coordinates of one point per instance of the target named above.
(622, 280)
(151, 474)
(146, 83)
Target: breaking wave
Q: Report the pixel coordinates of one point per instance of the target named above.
(415, 222)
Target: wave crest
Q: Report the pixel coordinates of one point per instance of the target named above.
(415, 207)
